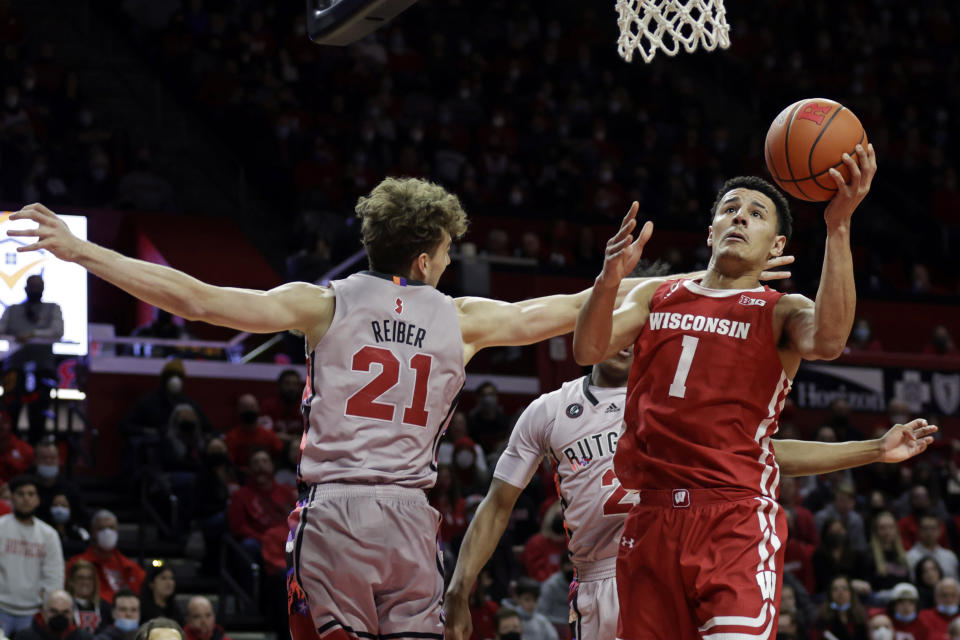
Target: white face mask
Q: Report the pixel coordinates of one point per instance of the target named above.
(60, 514)
(464, 459)
(174, 384)
(882, 633)
(107, 539)
(47, 471)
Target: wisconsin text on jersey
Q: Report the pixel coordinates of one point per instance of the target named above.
(691, 322)
(398, 331)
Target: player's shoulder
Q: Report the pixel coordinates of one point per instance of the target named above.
(792, 302)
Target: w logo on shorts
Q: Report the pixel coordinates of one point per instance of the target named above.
(681, 498)
(768, 584)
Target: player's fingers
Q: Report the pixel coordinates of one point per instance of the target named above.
(837, 179)
(775, 275)
(645, 233)
(30, 247)
(631, 212)
(916, 423)
(924, 432)
(854, 167)
(617, 247)
(625, 228)
(779, 261)
(26, 214)
(35, 231)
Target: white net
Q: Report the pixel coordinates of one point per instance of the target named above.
(649, 25)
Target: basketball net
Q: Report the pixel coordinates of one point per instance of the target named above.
(649, 25)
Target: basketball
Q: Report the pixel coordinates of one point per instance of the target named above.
(805, 141)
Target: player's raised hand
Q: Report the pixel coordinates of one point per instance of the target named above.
(768, 272)
(850, 194)
(904, 441)
(623, 251)
(51, 232)
(458, 624)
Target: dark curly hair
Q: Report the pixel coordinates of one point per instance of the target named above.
(784, 217)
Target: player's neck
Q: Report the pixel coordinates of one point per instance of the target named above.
(716, 279)
(597, 379)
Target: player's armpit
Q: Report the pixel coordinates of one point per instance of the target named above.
(630, 316)
(800, 333)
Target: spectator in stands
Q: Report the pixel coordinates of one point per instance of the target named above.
(927, 546)
(52, 482)
(146, 423)
(805, 526)
(181, 459)
(543, 551)
(35, 325)
(941, 342)
(554, 602)
(55, 620)
(90, 612)
(836, 556)
(248, 435)
(487, 422)
(215, 483)
(465, 466)
(455, 431)
(954, 630)
(946, 609)
(260, 504)
(535, 625)
(16, 456)
(31, 561)
(787, 626)
(508, 624)
(160, 629)
(842, 509)
(283, 408)
(798, 557)
(73, 537)
(790, 606)
(126, 617)
(115, 571)
(929, 575)
(862, 338)
(889, 564)
(880, 627)
(840, 421)
(163, 326)
(903, 611)
(143, 188)
(287, 465)
(920, 504)
(201, 621)
(841, 614)
(447, 498)
(158, 595)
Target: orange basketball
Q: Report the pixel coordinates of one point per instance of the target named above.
(805, 141)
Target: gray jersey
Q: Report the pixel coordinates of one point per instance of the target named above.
(577, 426)
(384, 380)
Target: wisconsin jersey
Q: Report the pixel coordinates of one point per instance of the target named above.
(704, 394)
(578, 427)
(385, 379)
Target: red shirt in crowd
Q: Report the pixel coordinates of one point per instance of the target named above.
(915, 630)
(218, 634)
(936, 623)
(909, 527)
(284, 418)
(15, 458)
(254, 510)
(241, 440)
(114, 571)
(484, 621)
(542, 556)
(454, 514)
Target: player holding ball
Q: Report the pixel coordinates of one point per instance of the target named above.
(701, 555)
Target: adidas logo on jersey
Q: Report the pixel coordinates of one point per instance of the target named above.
(747, 301)
(613, 408)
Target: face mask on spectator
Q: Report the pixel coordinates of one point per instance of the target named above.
(174, 384)
(47, 471)
(882, 633)
(861, 334)
(59, 623)
(125, 624)
(107, 539)
(60, 514)
(906, 618)
(948, 609)
(840, 607)
(464, 459)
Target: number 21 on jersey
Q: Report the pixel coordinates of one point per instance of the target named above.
(364, 403)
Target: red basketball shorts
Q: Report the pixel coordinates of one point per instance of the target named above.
(696, 564)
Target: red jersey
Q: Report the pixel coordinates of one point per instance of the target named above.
(114, 573)
(704, 393)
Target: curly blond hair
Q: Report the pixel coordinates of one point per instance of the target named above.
(404, 217)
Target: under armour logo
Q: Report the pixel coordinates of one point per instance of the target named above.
(613, 408)
(399, 308)
(681, 498)
(626, 542)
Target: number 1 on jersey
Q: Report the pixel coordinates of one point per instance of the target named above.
(678, 388)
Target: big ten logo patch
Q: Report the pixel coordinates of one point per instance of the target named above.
(814, 112)
(747, 301)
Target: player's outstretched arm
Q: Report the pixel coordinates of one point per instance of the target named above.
(297, 306)
(805, 458)
(479, 543)
(591, 338)
(819, 331)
